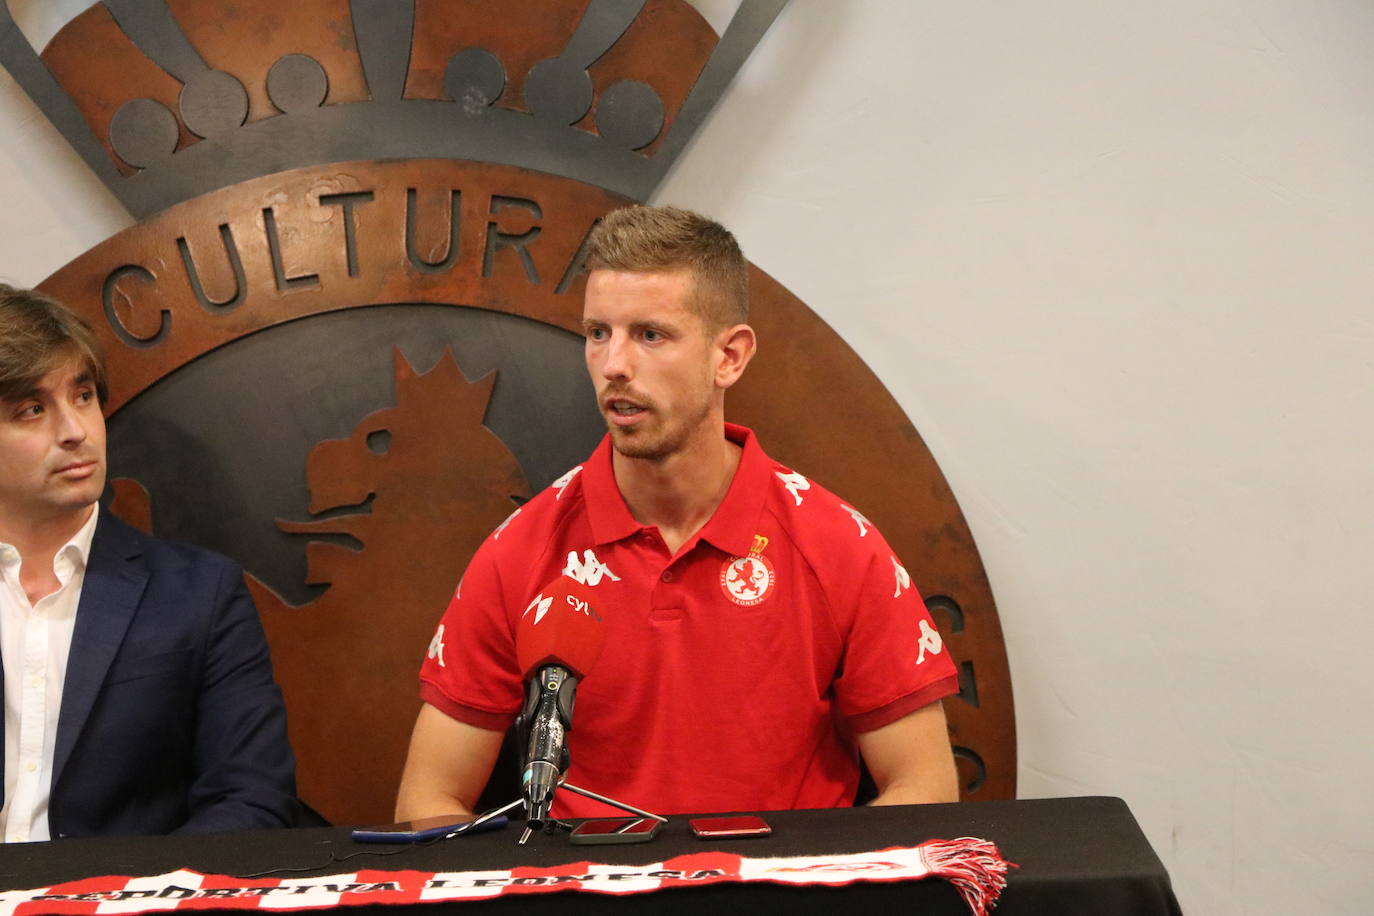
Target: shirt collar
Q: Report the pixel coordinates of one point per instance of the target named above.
(731, 527)
(79, 547)
(76, 551)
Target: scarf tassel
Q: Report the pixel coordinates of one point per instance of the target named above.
(974, 866)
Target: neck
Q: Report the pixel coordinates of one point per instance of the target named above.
(38, 541)
(679, 494)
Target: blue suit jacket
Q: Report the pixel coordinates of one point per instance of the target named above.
(170, 718)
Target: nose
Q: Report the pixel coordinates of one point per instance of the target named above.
(616, 360)
(70, 428)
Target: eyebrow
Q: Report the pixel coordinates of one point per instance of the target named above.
(86, 377)
(22, 395)
(666, 326)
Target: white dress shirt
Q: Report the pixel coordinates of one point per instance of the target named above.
(34, 643)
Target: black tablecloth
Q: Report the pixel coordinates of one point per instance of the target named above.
(1076, 855)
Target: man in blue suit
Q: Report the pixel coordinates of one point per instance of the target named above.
(138, 690)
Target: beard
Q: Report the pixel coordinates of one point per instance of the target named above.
(665, 441)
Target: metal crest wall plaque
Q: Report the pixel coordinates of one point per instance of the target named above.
(343, 337)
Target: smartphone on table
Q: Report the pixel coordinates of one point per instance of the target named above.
(726, 828)
(607, 830)
(422, 829)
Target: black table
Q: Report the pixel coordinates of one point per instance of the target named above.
(1076, 855)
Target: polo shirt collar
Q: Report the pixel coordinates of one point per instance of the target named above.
(609, 517)
(731, 527)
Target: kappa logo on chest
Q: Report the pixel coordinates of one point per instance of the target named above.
(588, 569)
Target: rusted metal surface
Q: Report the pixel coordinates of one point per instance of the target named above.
(348, 661)
(600, 91)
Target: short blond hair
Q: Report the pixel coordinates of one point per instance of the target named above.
(37, 333)
(649, 239)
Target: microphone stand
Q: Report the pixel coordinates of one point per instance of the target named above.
(543, 724)
(549, 824)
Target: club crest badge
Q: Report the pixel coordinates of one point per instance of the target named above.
(747, 581)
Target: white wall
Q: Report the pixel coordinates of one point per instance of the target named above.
(51, 207)
(1113, 258)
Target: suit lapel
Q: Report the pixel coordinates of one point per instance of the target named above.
(115, 578)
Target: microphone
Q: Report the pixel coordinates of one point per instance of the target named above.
(558, 639)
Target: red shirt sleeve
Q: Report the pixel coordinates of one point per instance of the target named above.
(470, 670)
(895, 660)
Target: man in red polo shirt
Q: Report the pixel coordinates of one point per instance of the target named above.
(759, 631)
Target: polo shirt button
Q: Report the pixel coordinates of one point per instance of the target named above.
(667, 575)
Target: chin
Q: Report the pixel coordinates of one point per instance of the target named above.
(84, 501)
(87, 496)
(632, 446)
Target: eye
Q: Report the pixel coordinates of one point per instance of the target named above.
(597, 334)
(652, 336)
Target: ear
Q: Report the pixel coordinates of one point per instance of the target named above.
(734, 348)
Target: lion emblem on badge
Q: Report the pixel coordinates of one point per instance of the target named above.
(747, 580)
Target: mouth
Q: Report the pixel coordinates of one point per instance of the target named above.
(78, 470)
(623, 411)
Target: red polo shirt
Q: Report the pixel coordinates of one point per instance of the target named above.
(735, 673)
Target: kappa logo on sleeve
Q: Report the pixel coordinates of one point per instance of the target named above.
(903, 579)
(561, 483)
(930, 641)
(436, 647)
(588, 570)
(540, 605)
(795, 484)
(863, 523)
